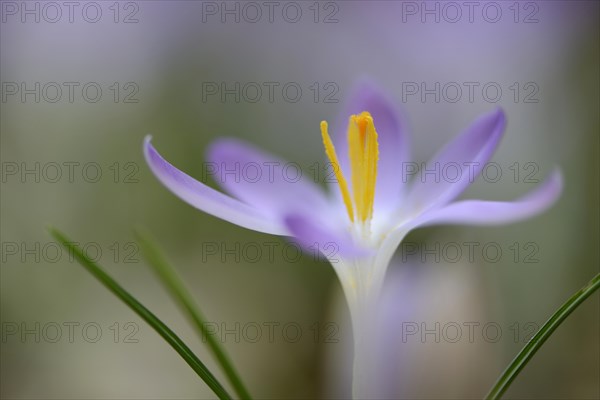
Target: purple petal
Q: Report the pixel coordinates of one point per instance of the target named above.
(263, 181)
(458, 163)
(479, 212)
(394, 145)
(205, 198)
(335, 244)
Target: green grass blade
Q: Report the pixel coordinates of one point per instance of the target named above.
(536, 342)
(162, 329)
(184, 299)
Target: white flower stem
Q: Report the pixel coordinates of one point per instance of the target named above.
(362, 283)
(360, 302)
(362, 362)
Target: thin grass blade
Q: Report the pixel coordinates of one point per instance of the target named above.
(536, 342)
(175, 286)
(163, 330)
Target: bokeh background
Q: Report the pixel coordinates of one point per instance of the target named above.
(154, 61)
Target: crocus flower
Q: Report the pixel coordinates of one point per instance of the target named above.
(370, 207)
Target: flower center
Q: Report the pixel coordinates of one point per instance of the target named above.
(363, 151)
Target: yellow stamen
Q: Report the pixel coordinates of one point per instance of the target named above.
(363, 150)
(330, 151)
(372, 157)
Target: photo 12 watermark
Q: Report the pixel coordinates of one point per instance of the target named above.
(50, 252)
(69, 92)
(72, 172)
(267, 252)
(254, 12)
(69, 332)
(452, 252)
(269, 92)
(453, 12)
(53, 12)
(465, 332)
(271, 332)
(470, 92)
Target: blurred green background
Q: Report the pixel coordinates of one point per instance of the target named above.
(153, 60)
